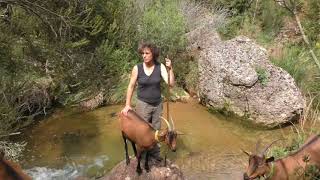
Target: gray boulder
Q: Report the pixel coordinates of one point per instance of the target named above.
(236, 76)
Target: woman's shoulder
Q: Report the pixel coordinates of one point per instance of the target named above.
(162, 66)
(137, 66)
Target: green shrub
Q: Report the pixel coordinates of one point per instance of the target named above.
(311, 20)
(231, 29)
(262, 75)
(186, 72)
(163, 24)
(117, 93)
(311, 172)
(192, 77)
(295, 61)
(271, 17)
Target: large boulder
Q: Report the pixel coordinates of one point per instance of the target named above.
(237, 76)
(157, 171)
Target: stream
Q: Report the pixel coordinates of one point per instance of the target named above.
(69, 144)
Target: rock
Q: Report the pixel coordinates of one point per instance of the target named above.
(92, 103)
(157, 172)
(237, 76)
(179, 94)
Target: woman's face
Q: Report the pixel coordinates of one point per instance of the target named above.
(147, 55)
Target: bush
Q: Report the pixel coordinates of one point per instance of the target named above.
(163, 24)
(271, 17)
(262, 75)
(295, 61)
(311, 20)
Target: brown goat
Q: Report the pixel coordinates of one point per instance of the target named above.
(142, 134)
(284, 168)
(10, 170)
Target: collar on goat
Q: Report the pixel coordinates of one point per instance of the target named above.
(156, 137)
(271, 171)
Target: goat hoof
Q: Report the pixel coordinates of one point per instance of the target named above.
(147, 169)
(139, 171)
(128, 161)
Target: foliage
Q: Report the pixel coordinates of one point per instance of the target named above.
(82, 47)
(236, 7)
(296, 61)
(311, 171)
(271, 17)
(118, 91)
(192, 77)
(163, 24)
(12, 151)
(20, 102)
(262, 75)
(263, 19)
(311, 20)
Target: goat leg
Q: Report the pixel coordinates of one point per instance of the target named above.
(134, 148)
(165, 160)
(139, 170)
(126, 148)
(146, 165)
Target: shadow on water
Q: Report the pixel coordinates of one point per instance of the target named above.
(89, 144)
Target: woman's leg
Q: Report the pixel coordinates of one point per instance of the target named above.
(143, 109)
(156, 124)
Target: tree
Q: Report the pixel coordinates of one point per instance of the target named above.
(293, 7)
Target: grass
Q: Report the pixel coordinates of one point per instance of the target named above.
(306, 127)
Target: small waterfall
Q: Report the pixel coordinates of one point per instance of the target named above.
(68, 172)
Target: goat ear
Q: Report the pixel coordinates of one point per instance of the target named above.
(247, 153)
(180, 133)
(270, 159)
(163, 132)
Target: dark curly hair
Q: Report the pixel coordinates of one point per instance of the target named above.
(154, 49)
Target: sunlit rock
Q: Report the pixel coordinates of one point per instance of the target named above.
(237, 76)
(157, 171)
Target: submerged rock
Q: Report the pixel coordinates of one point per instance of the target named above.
(157, 171)
(92, 103)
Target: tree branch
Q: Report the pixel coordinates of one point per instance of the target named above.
(293, 10)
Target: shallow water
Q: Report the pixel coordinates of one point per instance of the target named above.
(70, 144)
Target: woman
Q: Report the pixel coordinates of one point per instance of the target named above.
(148, 76)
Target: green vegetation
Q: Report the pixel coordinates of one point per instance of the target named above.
(271, 24)
(62, 53)
(262, 75)
(311, 171)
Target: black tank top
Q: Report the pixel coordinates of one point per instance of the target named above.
(149, 86)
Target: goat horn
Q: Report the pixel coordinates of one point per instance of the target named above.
(166, 122)
(172, 123)
(265, 150)
(258, 146)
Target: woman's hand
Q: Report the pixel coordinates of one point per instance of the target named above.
(126, 109)
(168, 63)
